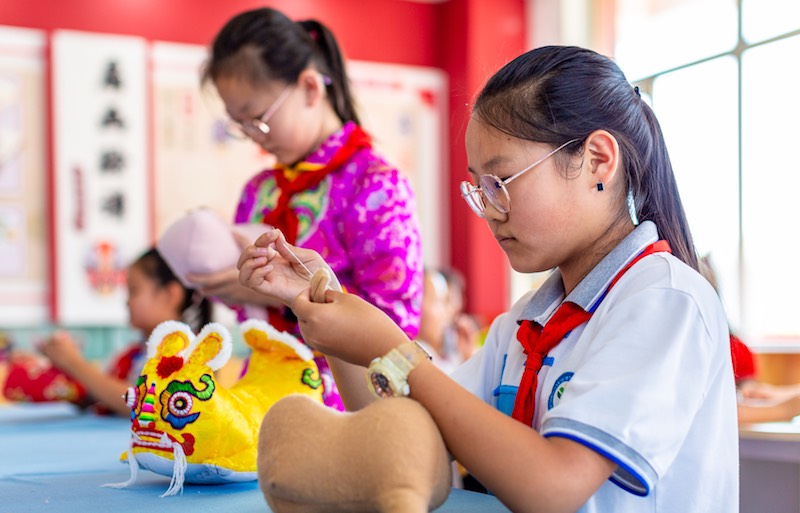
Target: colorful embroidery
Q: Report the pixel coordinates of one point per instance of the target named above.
(185, 425)
(311, 381)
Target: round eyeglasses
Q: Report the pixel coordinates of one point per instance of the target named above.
(493, 189)
(256, 126)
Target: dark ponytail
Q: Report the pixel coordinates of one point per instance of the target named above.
(657, 196)
(334, 69)
(556, 93)
(196, 310)
(263, 44)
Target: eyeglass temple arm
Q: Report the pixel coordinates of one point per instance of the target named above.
(517, 175)
(267, 115)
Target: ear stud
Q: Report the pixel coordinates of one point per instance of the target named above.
(600, 187)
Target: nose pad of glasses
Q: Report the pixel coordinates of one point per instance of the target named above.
(262, 127)
(472, 195)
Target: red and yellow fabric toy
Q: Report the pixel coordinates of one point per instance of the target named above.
(186, 426)
(35, 380)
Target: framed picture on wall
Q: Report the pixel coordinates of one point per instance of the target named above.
(404, 108)
(196, 163)
(23, 232)
(101, 182)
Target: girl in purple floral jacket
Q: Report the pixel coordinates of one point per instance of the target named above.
(285, 88)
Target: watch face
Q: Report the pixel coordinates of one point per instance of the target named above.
(380, 384)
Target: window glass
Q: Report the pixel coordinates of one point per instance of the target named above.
(763, 19)
(770, 187)
(697, 109)
(657, 35)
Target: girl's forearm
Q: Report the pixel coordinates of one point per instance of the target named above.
(352, 383)
(101, 387)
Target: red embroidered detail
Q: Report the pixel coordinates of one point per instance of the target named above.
(188, 444)
(168, 364)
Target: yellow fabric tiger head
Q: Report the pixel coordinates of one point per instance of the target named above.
(184, 425)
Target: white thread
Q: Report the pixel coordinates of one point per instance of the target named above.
(134, 467)
(178, 471)
(307, 270)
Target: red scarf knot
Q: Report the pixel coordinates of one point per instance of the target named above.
(538, 341)
(283, 216)
(534, 362)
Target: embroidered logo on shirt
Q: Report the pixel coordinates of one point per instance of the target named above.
(558, 389)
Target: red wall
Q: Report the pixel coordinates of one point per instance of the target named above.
(469, 39)
(375, 30)
(480, 37)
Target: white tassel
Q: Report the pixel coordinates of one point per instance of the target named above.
(178, 471)
(134, 466)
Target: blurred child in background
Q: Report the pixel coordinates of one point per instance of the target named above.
(464, 330)
(757, 401)
(155, 295)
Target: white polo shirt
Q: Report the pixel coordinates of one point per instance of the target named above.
(646, 382)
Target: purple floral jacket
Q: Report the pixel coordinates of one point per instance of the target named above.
(362, 219)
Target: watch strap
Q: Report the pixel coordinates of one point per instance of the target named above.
(396, 365)
(414, 353)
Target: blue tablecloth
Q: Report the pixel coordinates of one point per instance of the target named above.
(55, 458)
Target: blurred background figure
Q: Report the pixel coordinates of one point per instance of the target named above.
(435, 321)
(464, 331)
(757, 401)
(449, 334)
(62, 372)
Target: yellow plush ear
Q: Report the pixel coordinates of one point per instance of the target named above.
(260, 335)
(169, 339)
(211, 347)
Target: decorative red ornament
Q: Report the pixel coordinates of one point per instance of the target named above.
(169, 364)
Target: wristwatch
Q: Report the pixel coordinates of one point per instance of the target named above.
(387, 375)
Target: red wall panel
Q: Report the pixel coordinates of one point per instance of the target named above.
(478, 38)
(375, 30)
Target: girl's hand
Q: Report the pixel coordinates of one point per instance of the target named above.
(346, 327)
(224, 285)
(273, 267)
(766, 392)
(62, 351)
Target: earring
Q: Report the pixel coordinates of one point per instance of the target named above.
(600, 187)
(632, 208)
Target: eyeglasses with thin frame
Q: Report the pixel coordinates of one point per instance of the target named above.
(494, 189)
(256, 126)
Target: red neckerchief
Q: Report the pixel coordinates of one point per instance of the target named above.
(538, 341)
(283, 216)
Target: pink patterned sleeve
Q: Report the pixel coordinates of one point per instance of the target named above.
(383, 241)
(248, 198)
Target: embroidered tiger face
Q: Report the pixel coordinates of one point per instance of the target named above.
(184, 424)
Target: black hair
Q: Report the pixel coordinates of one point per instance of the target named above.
(263, 44)
(556, 93)
(196, 310)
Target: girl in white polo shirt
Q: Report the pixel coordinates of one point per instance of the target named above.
(610, 388)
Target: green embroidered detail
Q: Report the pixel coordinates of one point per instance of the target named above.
(310, 380)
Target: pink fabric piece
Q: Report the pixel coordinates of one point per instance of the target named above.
(202, 242)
